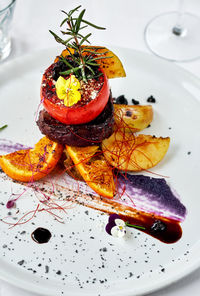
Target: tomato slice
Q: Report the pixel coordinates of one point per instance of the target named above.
(78, 113)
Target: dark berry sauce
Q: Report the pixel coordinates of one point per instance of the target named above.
(166, 230)
(41, 235)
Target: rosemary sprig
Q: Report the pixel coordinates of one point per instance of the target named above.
(71, 70)
(75, 41)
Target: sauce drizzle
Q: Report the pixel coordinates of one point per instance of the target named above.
(41, 235)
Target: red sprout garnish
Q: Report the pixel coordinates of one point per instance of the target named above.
(11, 204)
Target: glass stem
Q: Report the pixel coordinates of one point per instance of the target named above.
(178, 28)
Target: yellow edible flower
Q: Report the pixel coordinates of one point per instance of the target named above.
(67, 90)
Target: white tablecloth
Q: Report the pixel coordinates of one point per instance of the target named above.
(125, 21)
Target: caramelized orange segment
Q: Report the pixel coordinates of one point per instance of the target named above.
(111, 65)
(93, 168)
(32, 164)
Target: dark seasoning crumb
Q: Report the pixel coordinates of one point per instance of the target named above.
(58, 272)
(151, 99)
(21, 262)
(135, 102)
(123, 100)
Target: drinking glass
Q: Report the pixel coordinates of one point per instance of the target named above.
(6, 15)
(174, 35)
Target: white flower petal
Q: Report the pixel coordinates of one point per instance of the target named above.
(101, 226)
(118, 231)
(120, 222)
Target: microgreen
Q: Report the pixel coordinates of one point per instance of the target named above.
(85, 56)
(3, 127)
(135, 226)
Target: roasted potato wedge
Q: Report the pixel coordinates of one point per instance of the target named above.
(112, 66)
(129, 152)
(132, 118)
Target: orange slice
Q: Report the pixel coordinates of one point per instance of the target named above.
(32, 164)
(94, 169)
(112, 66)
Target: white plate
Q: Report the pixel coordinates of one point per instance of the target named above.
(80, 259)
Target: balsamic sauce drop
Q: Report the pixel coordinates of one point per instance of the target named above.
(166, 230)
(41, 235)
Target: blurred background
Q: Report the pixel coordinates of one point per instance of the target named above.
(125, 22)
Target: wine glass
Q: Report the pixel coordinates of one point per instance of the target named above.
(174, 35)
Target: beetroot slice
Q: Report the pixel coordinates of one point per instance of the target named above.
(80, 135)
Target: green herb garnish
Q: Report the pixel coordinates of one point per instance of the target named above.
(134, 226)
(75, 40)
(3, 127)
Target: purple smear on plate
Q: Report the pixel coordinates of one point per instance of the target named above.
(153, 195)
(7, 146)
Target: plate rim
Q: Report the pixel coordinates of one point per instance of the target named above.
(194, 264)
